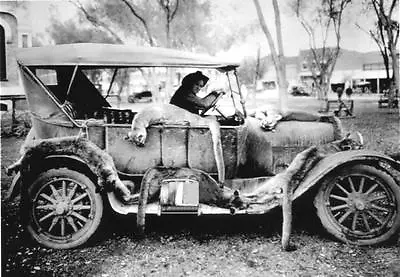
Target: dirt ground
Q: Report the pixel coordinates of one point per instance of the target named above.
(206, 246)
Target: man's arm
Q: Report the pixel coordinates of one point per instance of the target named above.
(202, 103)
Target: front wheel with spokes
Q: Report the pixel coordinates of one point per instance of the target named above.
(360, 204)
(62, 209)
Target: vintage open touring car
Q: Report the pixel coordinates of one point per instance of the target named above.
(356, 196)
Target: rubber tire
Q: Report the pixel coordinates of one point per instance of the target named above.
(89, 229)
(332, 226)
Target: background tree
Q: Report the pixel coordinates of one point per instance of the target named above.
(163, 23)
(252, 68)
(187, 25)
(278, 57)
(378, 36)
(389, 34)
(71, 31)
(385, 35)
(319, 19)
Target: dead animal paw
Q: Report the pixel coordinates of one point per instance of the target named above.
(131, 199)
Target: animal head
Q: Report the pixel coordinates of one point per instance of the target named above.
(234, 201)
(231, 199)
(138, 136)
(352, 141)
(270, 121)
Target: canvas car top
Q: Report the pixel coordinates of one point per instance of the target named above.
(97, 55)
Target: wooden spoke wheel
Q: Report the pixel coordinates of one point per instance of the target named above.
(62, 209)
(359, 205)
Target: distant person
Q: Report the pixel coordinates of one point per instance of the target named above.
(186, 95)
(349, 92)
(339, 92)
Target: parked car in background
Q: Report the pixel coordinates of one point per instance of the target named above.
(140, 97)
(298, 91)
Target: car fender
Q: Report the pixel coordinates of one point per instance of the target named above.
(54, 161)
(14, 188)
(339, 159)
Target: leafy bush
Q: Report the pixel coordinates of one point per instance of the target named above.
(21, 126)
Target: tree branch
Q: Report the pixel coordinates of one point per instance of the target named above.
(392, 8)
(371, 34)
(175, 10)
(267, 33)
(325, 34)
(142, 20)
(94, 21)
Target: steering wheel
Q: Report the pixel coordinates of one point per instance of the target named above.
(214, 102)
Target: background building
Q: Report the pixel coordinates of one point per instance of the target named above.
(363, 71)
(15, 31)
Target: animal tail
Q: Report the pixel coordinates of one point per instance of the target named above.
(297, 165)
(287, 216)
(217, 147)
(337, 126)
(141, 214)
(14, 167)
(299, 161)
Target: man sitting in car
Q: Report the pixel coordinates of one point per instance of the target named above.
(186, 95)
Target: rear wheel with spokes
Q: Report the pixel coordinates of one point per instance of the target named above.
(62, 209)
(359, 205)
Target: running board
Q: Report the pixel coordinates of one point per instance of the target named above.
(157, 209)
(180, 210)
(202, 209)
(121, 208)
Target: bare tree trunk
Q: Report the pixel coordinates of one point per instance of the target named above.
(122, 85)
(283, 84)
(395, 66)
(170, 8)
(391, 28)
(395, 63)
(278, 59)
(320, 88)
(384, 52)
(256, 77)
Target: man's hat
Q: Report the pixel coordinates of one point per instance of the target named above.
(192, 78)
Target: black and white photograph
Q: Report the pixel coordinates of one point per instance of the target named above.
(200, 138)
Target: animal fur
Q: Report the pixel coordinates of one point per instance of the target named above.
(274, 185)
(24, 147)
(286, 181)
(99, 161)
(257, 157)
(270, 118)
(171, 114)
